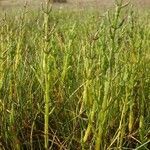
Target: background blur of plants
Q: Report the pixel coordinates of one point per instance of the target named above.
(72, 4)
(75, 80)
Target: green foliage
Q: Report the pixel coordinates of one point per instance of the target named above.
(74, 80)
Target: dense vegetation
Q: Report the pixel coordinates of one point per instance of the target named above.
(75, 80)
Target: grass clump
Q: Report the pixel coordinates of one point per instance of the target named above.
(75, 80)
